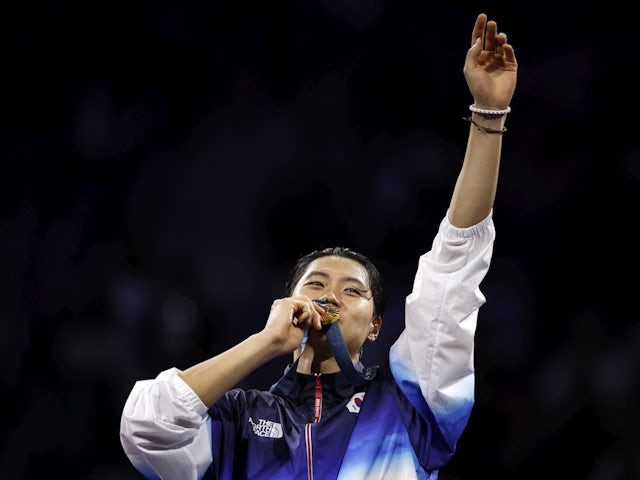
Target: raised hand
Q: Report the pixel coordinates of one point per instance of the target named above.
(490, 67)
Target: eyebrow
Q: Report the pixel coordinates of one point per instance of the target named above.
(362, 286)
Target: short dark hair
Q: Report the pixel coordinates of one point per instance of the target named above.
(375, 279)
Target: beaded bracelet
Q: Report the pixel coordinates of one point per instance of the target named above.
(483, 128)
(489, 114)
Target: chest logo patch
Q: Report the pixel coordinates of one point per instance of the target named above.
(266, 428)
(356, 401)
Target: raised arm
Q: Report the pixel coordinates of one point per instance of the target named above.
(490, 70)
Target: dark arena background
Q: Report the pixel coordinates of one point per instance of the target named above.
(164, 163)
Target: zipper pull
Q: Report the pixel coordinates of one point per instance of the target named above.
(317, 404)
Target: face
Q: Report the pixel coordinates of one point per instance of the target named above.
(344, 282)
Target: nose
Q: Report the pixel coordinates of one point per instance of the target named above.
(329, 297)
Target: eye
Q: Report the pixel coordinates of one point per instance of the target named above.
(353, 291)
(313, 283)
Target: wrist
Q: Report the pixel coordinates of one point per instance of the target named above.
(493, 121)
(483, 124)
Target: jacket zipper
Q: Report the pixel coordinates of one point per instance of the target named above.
(317, 414)
(317, 403)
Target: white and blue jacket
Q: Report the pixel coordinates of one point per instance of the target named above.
(403, 424)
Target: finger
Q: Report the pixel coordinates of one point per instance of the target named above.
(310, 315)
(300, 314)
(501, 39)
(315, 320)
(478, 28)
(306, 313)
(490, 36)
(508, 53)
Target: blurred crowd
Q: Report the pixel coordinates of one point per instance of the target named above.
(165, 163)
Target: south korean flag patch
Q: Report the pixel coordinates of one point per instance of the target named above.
(355, 403)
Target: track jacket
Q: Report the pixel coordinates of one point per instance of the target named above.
(403, 424)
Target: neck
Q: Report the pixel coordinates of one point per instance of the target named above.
(314, 362)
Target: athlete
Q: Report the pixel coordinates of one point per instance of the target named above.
(330, 416)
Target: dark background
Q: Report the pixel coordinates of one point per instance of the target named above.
(164, 163)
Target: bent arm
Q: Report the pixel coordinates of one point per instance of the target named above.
(211, 378)
(164, 423)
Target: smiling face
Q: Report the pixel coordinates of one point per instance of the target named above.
(345, 283)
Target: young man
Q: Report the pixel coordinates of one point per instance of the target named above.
(329, 416)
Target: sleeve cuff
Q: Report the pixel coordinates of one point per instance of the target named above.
(448, 230)
(183, 392)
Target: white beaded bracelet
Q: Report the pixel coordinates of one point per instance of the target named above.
(489, 113)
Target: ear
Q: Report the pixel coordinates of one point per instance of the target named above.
(374, 328)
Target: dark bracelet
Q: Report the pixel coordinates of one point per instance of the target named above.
(484, 129)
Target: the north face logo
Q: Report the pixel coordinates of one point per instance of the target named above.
(266, 428)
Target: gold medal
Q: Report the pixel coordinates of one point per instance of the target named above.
(331, 312)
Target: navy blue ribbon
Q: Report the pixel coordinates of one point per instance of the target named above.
(356, 374)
